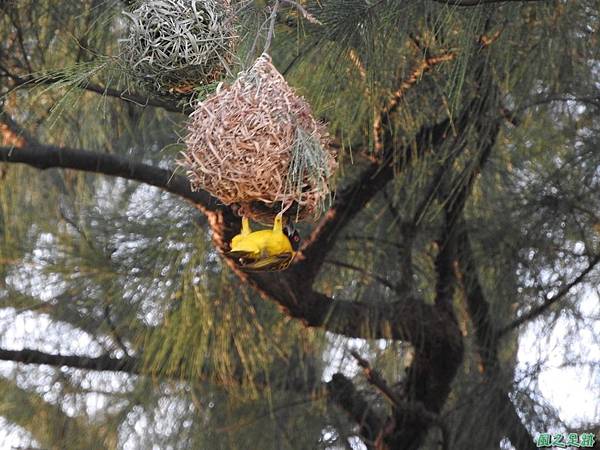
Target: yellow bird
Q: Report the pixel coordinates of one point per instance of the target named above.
(265, 250)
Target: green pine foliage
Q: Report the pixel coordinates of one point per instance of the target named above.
(133, 272)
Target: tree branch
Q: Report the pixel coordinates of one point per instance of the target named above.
(398, 320)
(477, 305)
(343, 393)
(18, 135)
(340, 389)
(487, 341)
(303, 381)
(414, 410)
(376, 379)
(481, 2)
(383, 119)
(381, 280)
(549, 301)
(48, 156)
(100, 363)
(588, 100)
(404, 319)
(292, 290)
(140, 100)
(352, 199)
(460, 259)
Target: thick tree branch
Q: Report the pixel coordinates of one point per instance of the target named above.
(356, 319)
(404, 319)
(343, 393)
(430, 376)
(477, 305)
(416, 409)
(376, 379)
(100, 363)
(48, 156)
(487, 341)
(456, 256)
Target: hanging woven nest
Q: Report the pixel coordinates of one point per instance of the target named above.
(257, 145)
(176, 45)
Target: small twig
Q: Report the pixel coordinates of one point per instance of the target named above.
(417, 43)
(423, 66)
(393, 209)
(479, 2)
(308, 16)
(377, 278)
(19, 132)
(354, 237)
(588, 100)
(20, 39)
(355, 59)
(300, 54)
(549, 301)
(138, 99)
(271, 31)
(113, 330)
(376, 379)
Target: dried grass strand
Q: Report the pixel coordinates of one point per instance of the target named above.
(175, 45)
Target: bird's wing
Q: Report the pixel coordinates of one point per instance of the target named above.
(239, 254)
(275, 262)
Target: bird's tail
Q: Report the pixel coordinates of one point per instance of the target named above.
(269, 264)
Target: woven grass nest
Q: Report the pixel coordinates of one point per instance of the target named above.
(256, 145)
(176, 45)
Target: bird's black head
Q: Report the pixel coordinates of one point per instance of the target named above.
(293, 235)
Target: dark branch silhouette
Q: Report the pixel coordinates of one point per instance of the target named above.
(49, 156)
(352, 199)
(125, 95)
(99, 363)
(482, 2)
(343, 393)
(549, 301)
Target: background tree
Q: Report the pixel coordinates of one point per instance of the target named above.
(464, 226)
